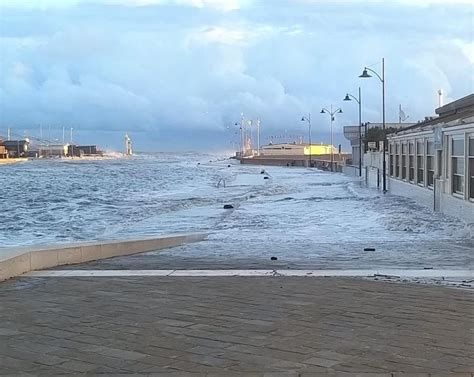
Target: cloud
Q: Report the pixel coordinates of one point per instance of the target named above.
(159, 67)
(225, 5)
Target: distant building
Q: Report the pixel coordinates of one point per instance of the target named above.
(433, 161)
(73, 151)
(88, 150)
(289, 149)
(293, 154)
(83, 150)
(53, 150)
(3, 152)
(16, 148)
(351, 133)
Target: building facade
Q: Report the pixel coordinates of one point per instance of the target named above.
(16, 148)
(53, 150)
(293, 149)
(3, 152)
(433, 161)
(351, 133)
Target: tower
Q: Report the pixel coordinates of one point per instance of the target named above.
(128, 145)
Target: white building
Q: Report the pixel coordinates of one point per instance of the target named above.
(433, 161)
(293, 149)
(351, 133)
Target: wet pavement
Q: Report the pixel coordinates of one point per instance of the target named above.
(349, 255)
(399, 255)
(233, 326)
(119, 324)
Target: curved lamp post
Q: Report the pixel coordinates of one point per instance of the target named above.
(364, 75)
(331, 114)
(308, 119)
(240, 138)
(359, 101)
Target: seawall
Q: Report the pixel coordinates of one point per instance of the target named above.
(17, 261)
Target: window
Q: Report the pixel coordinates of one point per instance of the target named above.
(430, 163)
(397, 160)
(420, 150)
(457, 166)
(404, 161)
(471, 167)
(411, 162)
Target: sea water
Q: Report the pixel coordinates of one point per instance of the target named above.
(280, 210)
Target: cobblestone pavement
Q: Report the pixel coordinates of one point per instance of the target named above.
(209, 254)
(239, 326)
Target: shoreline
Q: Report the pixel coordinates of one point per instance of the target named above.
(7, 161)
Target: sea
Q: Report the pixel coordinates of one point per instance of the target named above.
(284, 211)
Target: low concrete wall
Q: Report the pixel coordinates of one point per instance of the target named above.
(421, 195)
(275, 161)
(17, 261)
(351, 170)
(456, 207)
(289, 161)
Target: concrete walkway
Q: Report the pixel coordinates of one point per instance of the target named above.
(227, 326)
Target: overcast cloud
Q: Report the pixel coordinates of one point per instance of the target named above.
(163, 69)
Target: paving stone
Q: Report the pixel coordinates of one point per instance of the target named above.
(78, 366)
(321, 362)
(234, 326)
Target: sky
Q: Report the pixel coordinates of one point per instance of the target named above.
(177, 74)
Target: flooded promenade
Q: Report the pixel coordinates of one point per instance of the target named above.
(252, 299)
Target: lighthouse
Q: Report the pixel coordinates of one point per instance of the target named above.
(128, 145)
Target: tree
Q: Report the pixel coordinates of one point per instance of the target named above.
(377, 133)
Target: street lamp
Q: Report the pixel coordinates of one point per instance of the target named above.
(241, 127)
(258, 137)
(359, 101)
(364, 75)
(331, 114)
(240, 138)
(308, 119)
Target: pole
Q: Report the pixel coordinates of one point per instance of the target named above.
(309, 130)
(384, 178)
(63, 135)
(332, 152)
(245, 135)
(360, 135)
(251, 135)
(258, 137)
(366, 130)
(242, 142)
(72, 145)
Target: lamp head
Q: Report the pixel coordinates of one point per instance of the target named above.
(347, 98)
(322, 111)
(302, 119)
(365, 74)
(340, 111)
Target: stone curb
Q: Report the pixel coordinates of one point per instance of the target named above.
(17, 261)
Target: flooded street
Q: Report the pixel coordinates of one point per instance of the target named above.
(305, 218)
